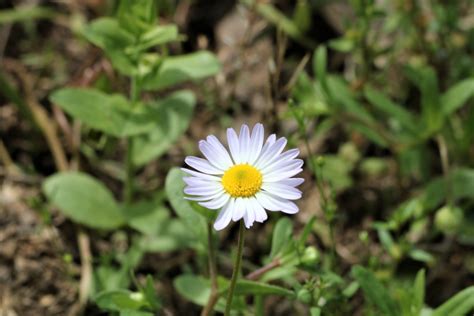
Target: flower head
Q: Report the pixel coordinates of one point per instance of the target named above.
(254, 177)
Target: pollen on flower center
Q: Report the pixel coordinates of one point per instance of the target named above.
(242, 180)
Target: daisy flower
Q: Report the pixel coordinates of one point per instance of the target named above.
(254, 177)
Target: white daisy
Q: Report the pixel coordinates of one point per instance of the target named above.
(255, 176)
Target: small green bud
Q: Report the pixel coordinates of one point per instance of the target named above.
(364, 236)
(304, 295)
(448, 219)
(320, 161)
(310, 256)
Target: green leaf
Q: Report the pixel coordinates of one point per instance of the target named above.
(175, 114)
(458, 305)
(159, 34)
(282, 234)
(118, 300)
(194, 288)
(137, 16)
(147, 217)
(393, 110)
(150, 293)
(195, 222)
(425, 79)
(419, 292)
(25, 13)
(374, 291)
(107, 34)
(457, 96)
(319, 65)
(131, 312)
(83, 199)
(178, 69)
(111, 114)
(344, 98)
(247, 287)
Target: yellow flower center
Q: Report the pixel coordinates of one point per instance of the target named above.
(242, 180)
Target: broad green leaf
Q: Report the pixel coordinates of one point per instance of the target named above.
(111, 114)
(374, 291)
(83, 199)
(178, 69)
(147, 217)
(315, 311)
(107, 34)
(393, 110)
(195, 222)
(194, 288)
(281, 236)
(25, 13)
(118, 300)
(173, 235)
(247, 287)
(175, 113)
(457, 96)
(197, 289)
(458, 305)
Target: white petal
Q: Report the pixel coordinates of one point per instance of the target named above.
(225, 215)
(292, 182)
(215, 204)
(204, 198)
(244, 143)
(271, 153)
(239, 209)
(202, 190)
(256, 143)
(278, 176)
(201, 175)
(249, 216)
(271, 139)
(202, 165)
(282, 190)
(274, 203)
(260, 214)
(269, 142)
(282, 166)
(281, 159)
(212, 155)
(234, 145)
(221, 151)
(195, 181)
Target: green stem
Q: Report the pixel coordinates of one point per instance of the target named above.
(236, 271)
(129, 167)
(129, 171)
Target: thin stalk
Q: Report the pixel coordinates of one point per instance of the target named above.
(129, 167)
(212, 273)
(236, 271)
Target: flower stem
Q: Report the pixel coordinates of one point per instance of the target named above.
(129, 167)
(212, 273)
(236, 271)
